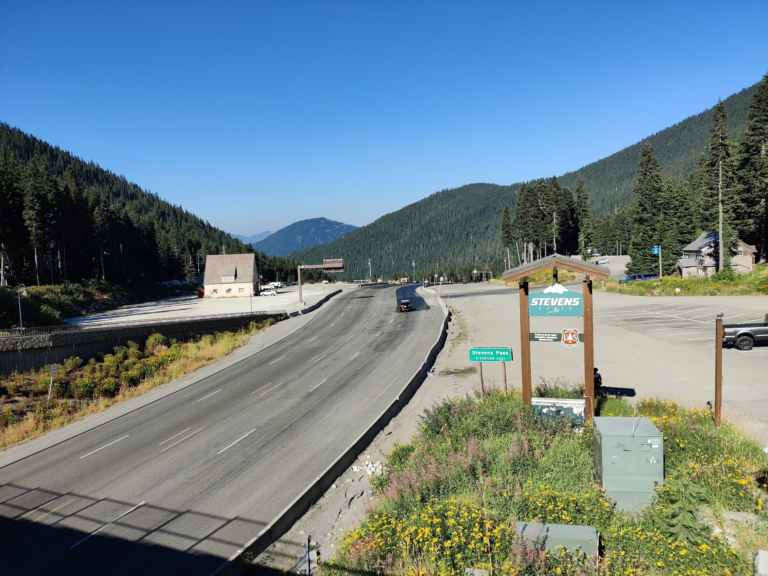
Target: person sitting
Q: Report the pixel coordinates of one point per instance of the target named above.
(598, 384)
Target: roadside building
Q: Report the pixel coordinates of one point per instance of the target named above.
(231, 276)
(700, 257)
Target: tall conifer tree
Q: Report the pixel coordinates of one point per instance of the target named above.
(644, 221)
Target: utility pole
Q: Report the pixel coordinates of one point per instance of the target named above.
(413, 263)
(720, 215)
(370, 274)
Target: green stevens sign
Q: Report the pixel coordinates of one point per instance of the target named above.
(490, 355)
(555, 300)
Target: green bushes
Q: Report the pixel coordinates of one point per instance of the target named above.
(725, 282)
(448, 500)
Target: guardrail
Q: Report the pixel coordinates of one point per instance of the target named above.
(37, 331)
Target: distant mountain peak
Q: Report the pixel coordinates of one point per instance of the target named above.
(255, 238)
(302, 234)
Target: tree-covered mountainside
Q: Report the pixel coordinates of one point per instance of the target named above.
(446, 232)
(302, 234)
(65, 219)
(454, 232)
(678, 148)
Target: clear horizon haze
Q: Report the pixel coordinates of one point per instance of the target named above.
(254, 115)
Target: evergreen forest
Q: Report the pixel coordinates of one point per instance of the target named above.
(63, 219)
(663, 191)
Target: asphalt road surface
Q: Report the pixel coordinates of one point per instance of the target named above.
(179, 485)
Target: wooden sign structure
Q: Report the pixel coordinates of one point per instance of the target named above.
(557, 262)
(332, 266)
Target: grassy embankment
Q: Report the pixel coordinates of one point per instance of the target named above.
(724, 283)
(49, 305)
(449, 499)
(80, 390)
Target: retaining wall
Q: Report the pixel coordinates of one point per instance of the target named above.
(236, 565)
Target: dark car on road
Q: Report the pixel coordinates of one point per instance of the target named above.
(405, 305)
(745, 336)
(637, 277)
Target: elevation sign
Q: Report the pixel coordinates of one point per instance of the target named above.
(556, 300)
(490, 355)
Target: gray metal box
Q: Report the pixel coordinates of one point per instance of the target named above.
(569, 537)
(629, 456)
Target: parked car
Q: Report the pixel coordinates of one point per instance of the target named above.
(201, 293)
(269, 292)
(405, 305)
(745, 336)
(602, 261)
(639, 277)
(275, 285)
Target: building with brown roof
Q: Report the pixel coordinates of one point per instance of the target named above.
(231, 276)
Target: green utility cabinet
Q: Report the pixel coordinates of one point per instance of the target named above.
(629, 456)
(572, 538)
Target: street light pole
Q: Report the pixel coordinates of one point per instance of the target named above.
(19, 294)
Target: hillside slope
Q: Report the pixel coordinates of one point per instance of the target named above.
(457, 230)
(302, 234)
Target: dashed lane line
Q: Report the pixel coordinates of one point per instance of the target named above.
(355, 356)
(262, 388)
(174, 436)
(236, 441)
(102, 448)
(209, 395)
(321, 357)
(318, 386)
(275, 361)
(308, 341)
(107, 525)
(270, 390)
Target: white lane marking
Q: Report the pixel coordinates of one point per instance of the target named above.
(332, 325)
(342, 314)
(236, 441)
(377, 335)
(209, 395)
(321, 383)
(708, 313)
(366, 324)
(350, 338)
(312, 339)
(278, 360)
(355, 356)
(321, 357)
(102, 448)
(686, 333)
(107, 525)
(692, 339)
(391, 320)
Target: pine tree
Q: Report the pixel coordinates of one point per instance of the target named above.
(717, 181)
(38, 185)
(583, 219)
(507, 238)
(753, 169)
(677, 227)
(644, 220)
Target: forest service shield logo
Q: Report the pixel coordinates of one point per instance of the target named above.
(570, 338)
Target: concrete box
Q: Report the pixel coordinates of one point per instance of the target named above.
(629, 456)
(551, 408)
(572, 538)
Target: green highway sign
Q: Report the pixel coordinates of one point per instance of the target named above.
(490, 355)
(555, 300)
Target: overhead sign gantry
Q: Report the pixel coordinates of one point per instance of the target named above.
(329, 266)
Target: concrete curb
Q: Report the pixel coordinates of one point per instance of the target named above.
(235, 564)
(316, 305)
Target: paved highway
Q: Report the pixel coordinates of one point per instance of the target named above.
(181, 484)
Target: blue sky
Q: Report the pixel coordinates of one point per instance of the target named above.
(256, 114)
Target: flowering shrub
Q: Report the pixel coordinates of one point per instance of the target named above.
(449, 500)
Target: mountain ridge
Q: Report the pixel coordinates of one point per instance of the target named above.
(302, 235)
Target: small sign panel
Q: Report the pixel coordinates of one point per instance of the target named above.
(490, 355)
(54, 369)
(655, 250)
(555, 300)
(570, 338)
(558, 337)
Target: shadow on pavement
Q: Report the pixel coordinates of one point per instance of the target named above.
(38, 536)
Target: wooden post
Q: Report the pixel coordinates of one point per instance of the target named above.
(554, 273)
(482, 387)
(525, 341)
(504, 374)
(718, 368)
(589, 351)
(298, 270)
